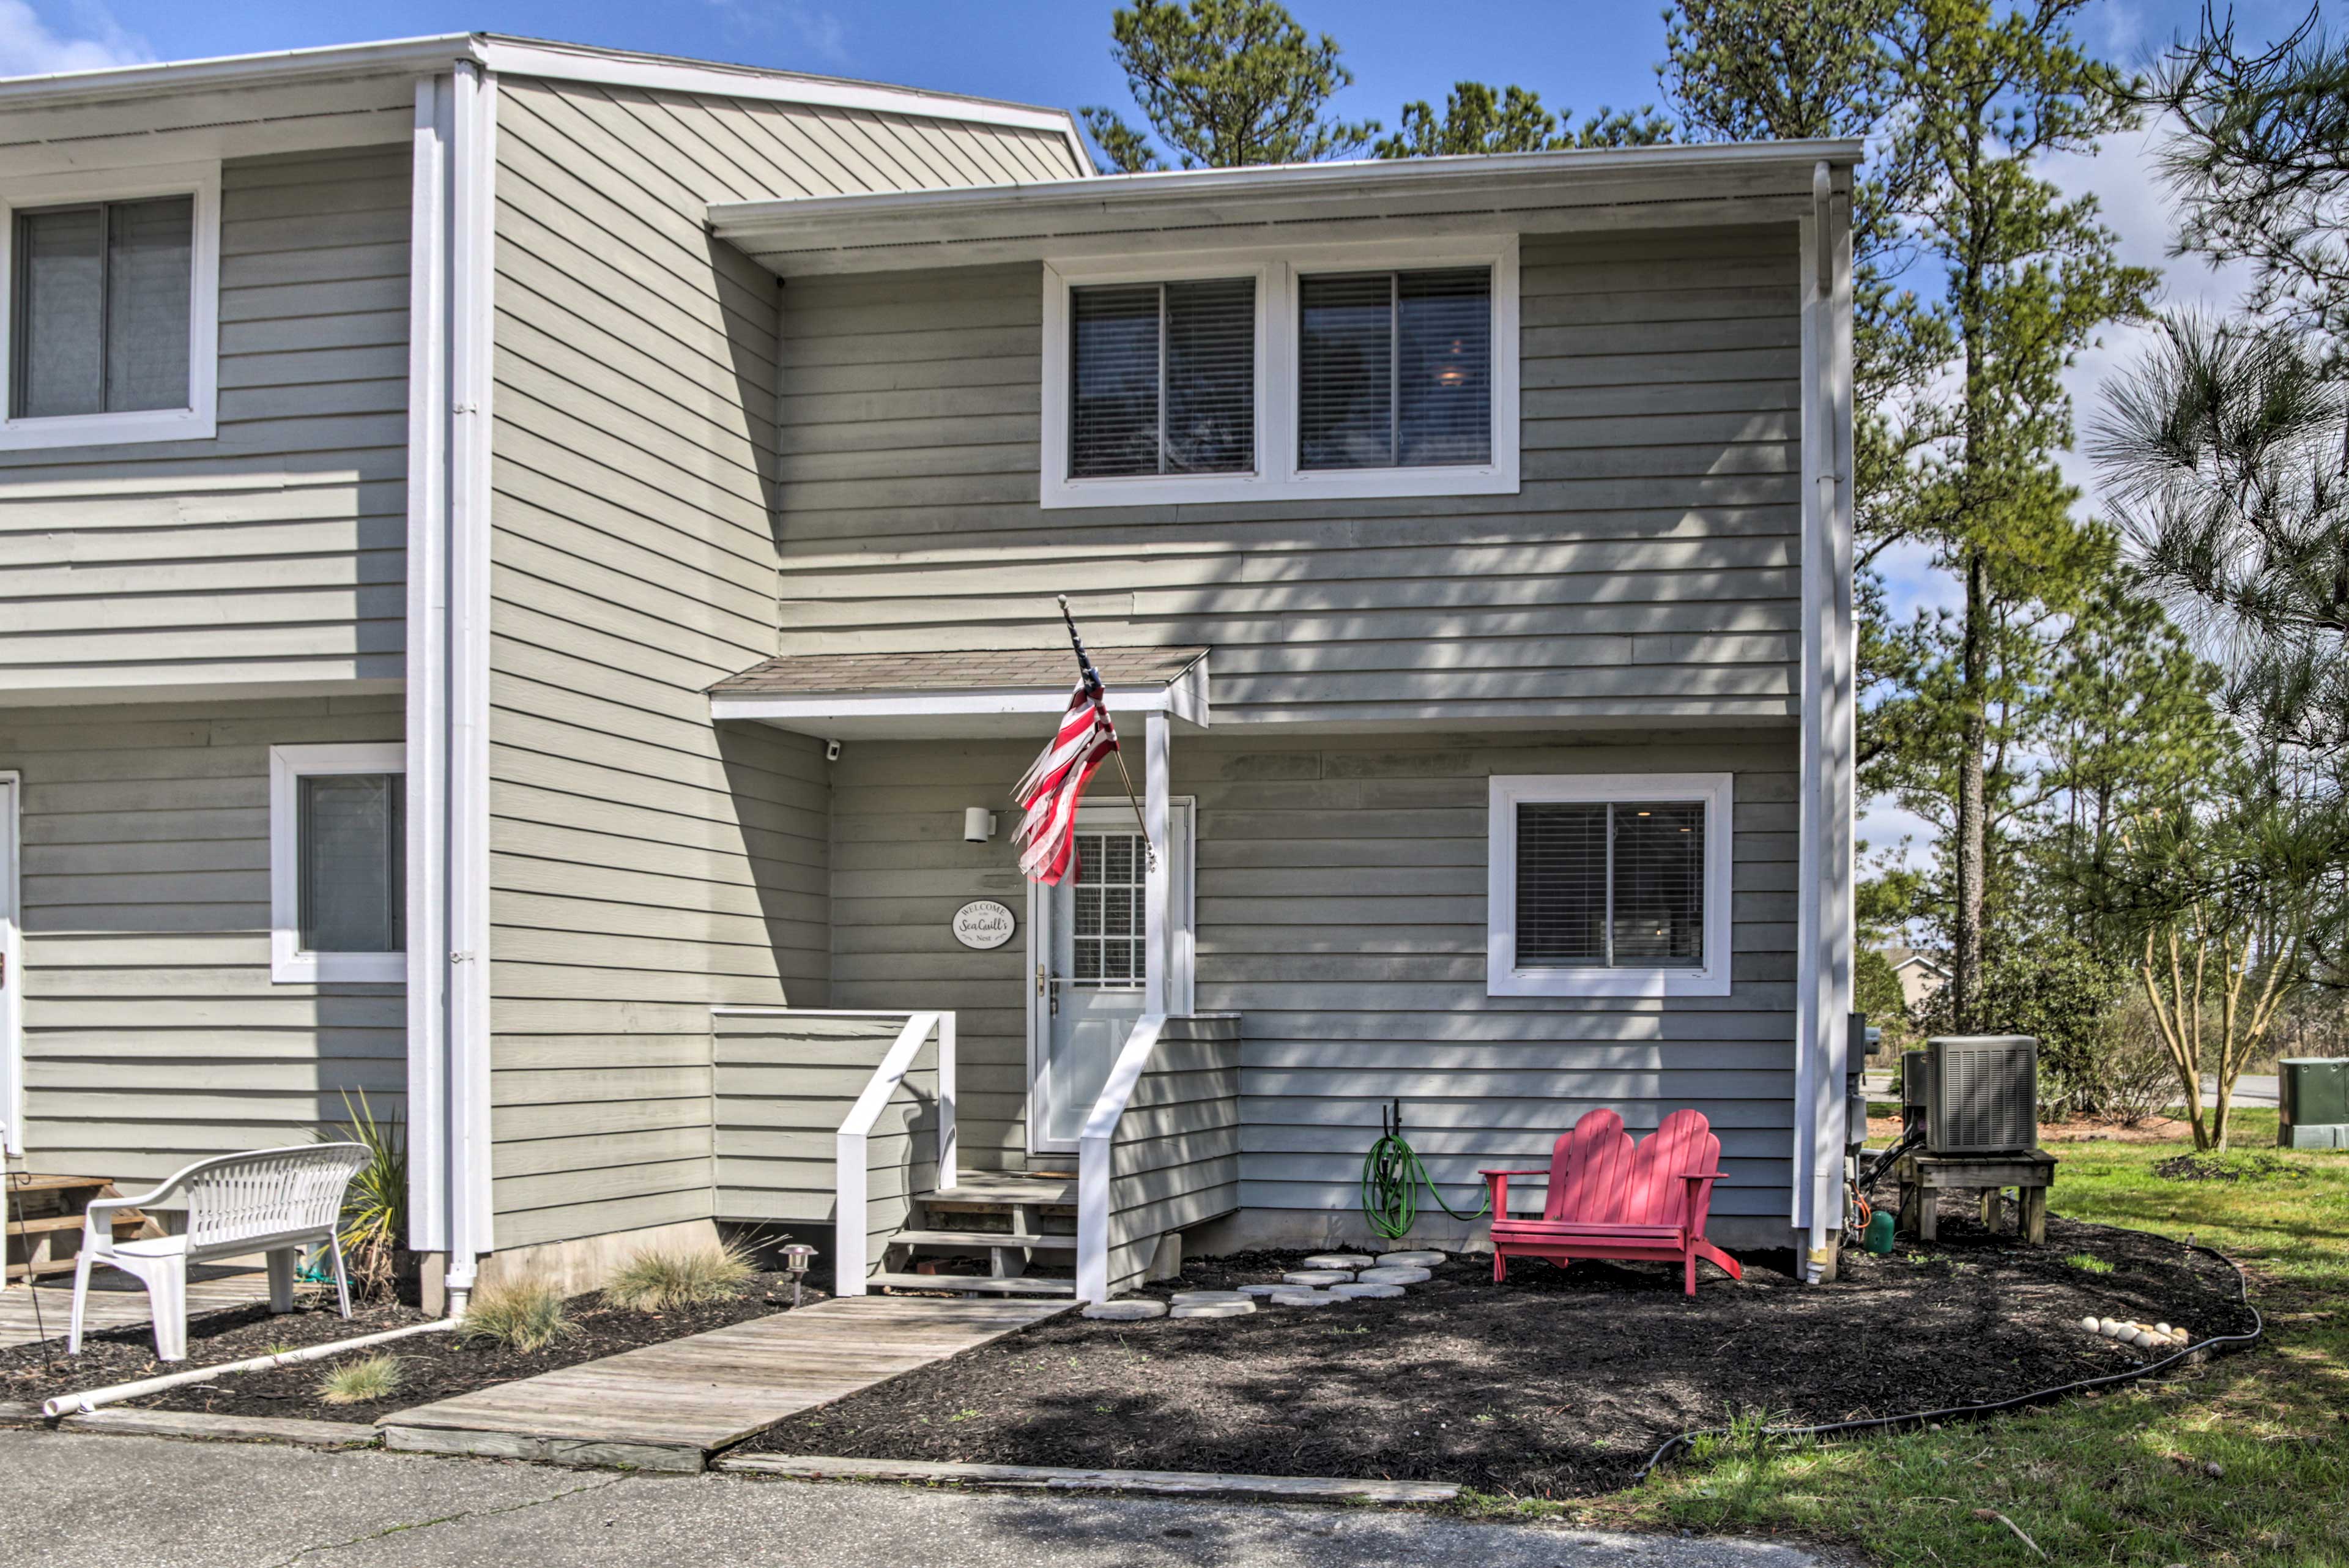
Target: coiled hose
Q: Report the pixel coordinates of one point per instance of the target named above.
(1680, 1441)
(1392, 1178)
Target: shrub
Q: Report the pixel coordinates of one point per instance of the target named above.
(656, 1280)
(521, 1314)
(361, 1382)
(2136, 1081)
(375, 1205)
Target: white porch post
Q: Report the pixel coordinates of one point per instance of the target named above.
(1159, 887)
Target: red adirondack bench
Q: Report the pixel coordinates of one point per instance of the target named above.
(1609, 1198)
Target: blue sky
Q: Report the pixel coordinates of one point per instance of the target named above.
(1055, 52)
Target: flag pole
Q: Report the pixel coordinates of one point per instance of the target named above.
(1092, 680)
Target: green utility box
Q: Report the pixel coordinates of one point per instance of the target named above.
(2314, 1099)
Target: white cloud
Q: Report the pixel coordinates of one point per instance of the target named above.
(30, 48)
(819, 32)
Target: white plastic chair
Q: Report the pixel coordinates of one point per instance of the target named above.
(273, 1201)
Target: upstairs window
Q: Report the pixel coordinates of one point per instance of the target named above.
(1609, 886)
(110, 324)
(1163, 378)
(1395, 370)
(102, 300)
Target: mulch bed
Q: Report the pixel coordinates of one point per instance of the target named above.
(432, 1365)
(1558, 1383)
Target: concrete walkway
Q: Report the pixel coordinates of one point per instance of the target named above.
(76, 1501)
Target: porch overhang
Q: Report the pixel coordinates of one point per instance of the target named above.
(954, 695)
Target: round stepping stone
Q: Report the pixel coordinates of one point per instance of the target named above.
(1257, 1290)
(1319, 1277)
(1393, 1276)
(1304, 1298)
(1337, 1261)
(1239, 1308)
(1129, 1311)
(1205, 1298)
(1427, 1259)
(1365, 1292)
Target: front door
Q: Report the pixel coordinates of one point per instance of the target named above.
(1089, 939)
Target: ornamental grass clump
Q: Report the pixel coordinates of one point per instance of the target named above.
(656, 1280)
(361, 1382)
(520, 1314)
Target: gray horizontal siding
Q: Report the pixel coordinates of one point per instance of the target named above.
(274, 551)
(153, 1034)
(1174, 1161)
(1340, 910)
(1648, 565)
(645, 864)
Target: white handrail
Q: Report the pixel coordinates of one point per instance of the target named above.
(1094, 1156)
(850, 1219)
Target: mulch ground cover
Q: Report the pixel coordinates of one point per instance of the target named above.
(431, 1366)
(1557, 1384)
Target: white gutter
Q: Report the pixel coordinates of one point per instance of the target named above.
(392, 57)
(115, 1393)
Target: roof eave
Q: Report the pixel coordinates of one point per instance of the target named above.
(391, 57)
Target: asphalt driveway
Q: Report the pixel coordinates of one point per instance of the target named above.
(77, 1500)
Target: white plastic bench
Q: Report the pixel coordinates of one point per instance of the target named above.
(273, 1201)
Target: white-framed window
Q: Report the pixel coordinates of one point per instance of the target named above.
(1609, 884)
(1353, 371)
(109, 321)
(337, 863)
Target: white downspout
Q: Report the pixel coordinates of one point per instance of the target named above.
(449, 379)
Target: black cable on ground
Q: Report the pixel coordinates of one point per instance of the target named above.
(1680, 1441)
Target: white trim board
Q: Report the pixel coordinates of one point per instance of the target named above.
(199, 420)
(12, 956)
(1277, 476)
(917, 715)
(1507, 792)
(289, 961)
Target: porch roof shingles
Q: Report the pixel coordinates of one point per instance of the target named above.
(979, 669)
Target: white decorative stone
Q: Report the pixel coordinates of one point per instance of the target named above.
(1264, 1290)
(1393, 1276)
(1203, 1298)
(1132, 1310)
(2091, 1324)
(1365, 1292)
(1319, 1277)
(1304, 1298)
(1239, 1308)
(1337, 1261)
(1419, 1259)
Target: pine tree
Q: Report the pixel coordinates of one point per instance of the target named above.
(1224, 83)
(1479, 118)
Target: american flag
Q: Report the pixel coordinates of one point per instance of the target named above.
(1049, 793)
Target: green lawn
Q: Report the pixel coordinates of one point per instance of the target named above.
(2121, 1479)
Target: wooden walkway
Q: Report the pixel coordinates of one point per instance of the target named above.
(669, 1406)
(118, 1300)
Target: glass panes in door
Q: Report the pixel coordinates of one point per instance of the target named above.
(1109, 913)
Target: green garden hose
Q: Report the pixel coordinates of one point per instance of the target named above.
(1392, 1178)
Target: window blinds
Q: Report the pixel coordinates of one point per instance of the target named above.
(1611, 885)
(1163, 379)
(1395, 370)
(101, 308)
(353, 857)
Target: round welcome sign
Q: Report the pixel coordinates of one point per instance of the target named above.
(983, 923)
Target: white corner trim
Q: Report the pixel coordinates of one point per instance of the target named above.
(289, 961)
(11, 954)
(1275, 476)
(199, 420)
(1507, 791)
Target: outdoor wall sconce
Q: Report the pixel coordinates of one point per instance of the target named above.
(796, 1257)
(977, 825)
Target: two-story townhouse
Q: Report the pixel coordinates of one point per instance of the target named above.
(530, 573)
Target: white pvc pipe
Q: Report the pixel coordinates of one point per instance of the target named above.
(84, 1404)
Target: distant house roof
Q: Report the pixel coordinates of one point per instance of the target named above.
(1902, 958)
(980, 669)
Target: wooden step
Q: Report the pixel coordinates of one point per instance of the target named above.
(1000, 1190)
(1044, 1241)
(58, 1183)
(975, 1284)
(123, 1219)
